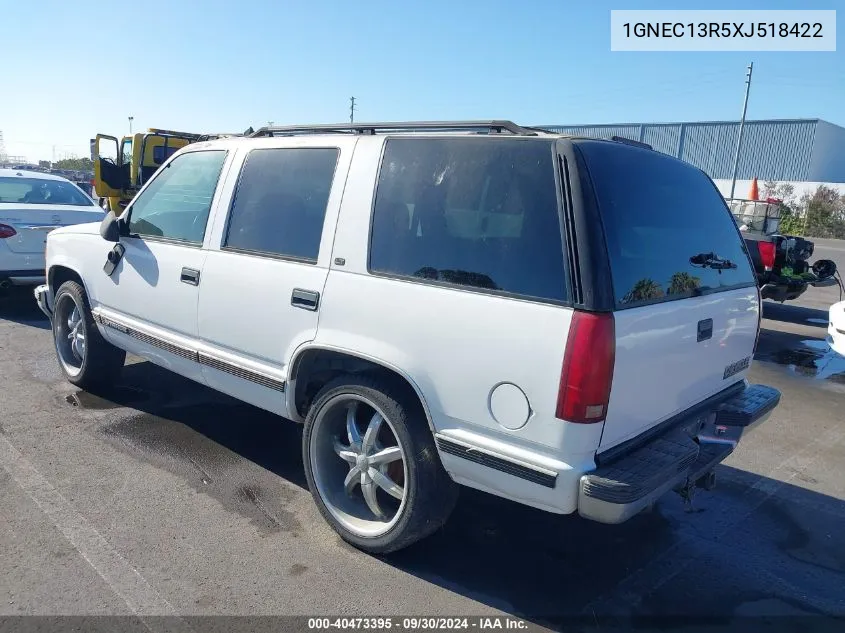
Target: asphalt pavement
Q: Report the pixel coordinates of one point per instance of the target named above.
(160, 497)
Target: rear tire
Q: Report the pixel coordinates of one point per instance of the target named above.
(85, 357)
(387, 462)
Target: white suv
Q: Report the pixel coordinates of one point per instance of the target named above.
(563, 322)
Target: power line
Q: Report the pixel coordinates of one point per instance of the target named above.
(741, 127)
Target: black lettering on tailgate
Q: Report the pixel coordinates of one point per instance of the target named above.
(738, 366)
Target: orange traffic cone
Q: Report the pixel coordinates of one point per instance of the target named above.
(754, 194)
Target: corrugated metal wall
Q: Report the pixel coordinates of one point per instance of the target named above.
(771, 150)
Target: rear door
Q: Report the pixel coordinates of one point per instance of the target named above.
(263, 281)
(686, 302)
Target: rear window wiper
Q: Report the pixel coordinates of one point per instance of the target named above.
(711, 260)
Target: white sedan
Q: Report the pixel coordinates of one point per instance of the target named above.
(31, 205)
(836, 328)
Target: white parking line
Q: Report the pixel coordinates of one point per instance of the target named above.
(118, 574)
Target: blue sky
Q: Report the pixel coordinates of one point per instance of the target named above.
(72, 69)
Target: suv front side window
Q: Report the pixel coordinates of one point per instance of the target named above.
(176, 203)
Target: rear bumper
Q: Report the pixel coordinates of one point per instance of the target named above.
(44, 298)
(616, 491)
(22, 277)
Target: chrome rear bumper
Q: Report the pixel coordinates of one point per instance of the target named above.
(615, 492)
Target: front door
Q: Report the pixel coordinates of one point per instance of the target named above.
(264, 275)
(149, 302)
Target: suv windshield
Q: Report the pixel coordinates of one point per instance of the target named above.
(669, 233)
(41, 191)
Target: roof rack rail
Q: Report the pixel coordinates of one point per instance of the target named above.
(217, 135)
(160, 132)
(630, 141)
(404, 126)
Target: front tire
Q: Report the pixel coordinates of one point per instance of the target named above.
(372, 466)
(85, 357)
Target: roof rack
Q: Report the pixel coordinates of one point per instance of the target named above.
(160, 132)
(217, 135)
(405, 126)
(630, 141)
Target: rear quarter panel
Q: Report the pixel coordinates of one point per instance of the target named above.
(455, 345)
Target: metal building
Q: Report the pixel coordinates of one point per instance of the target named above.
(784, 150)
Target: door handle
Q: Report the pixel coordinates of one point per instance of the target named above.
(305, 299)
(190, 276)
(705, 329)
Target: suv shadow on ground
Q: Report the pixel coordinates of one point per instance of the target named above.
(17, 304)
(163, 398)
(755, 547)
(798, 315)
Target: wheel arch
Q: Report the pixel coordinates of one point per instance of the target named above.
(314, 365)
(60, 273)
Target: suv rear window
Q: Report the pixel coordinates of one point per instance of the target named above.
(658, 214)
(480, 213)
(21, 190)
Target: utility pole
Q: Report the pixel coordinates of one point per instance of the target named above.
(132, 118)
(741, 127)
(352, 109)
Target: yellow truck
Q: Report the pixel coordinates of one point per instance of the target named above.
(121, 167)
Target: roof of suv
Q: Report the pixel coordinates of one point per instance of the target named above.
(492, 128)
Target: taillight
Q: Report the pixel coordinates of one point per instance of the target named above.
(587, 371)
(767, 254)
(7, 231)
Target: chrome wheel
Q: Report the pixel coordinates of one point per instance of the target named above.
(70, 334)
(358, 465)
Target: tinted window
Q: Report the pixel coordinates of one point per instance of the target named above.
(162, 153)
(41, 191)
(126, 152)
(658, 213)
(176, 203)
(280, 202)
(477, 212)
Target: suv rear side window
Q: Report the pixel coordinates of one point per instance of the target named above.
(474, 212)
(281, 200)
(176, 203)
(658, 214)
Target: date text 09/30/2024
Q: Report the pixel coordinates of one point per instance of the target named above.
(418, 623)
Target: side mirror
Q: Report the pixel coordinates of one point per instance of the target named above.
(92, 143)
(110, 228)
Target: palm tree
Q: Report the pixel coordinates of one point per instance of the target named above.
(681, 283)
(643, 290)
